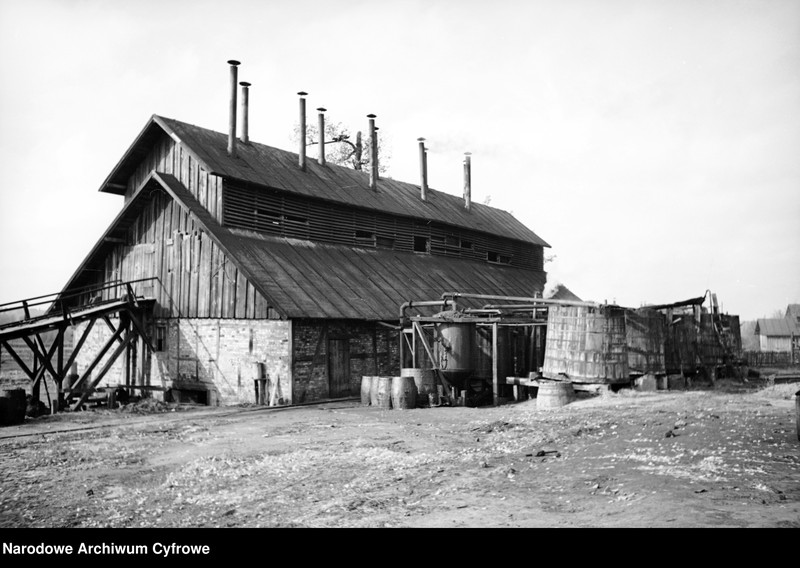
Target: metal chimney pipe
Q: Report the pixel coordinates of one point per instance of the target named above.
(232, 115)
(321, 136)
(302, 130)
(245, 111)
(423, 173)
(373, 177)
(467, 180)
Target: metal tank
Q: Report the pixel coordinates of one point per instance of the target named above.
(455, 351)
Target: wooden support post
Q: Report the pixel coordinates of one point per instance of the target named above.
(103, 371)
(76, 350)
(18, 360)
(96, 361)
(495, 367)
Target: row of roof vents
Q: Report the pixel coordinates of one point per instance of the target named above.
(373, 180)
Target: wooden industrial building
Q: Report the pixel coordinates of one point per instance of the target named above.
(263, 264)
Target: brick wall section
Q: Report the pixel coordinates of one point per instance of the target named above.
(374, 350)
(213, 355)
(218, 356)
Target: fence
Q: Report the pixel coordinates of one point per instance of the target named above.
(772, 358)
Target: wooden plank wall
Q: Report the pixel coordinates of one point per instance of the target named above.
(285, 215)
(169, 157)
(197, 280)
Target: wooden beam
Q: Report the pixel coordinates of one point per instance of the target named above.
(140, 328)
(120, 348)
(18, 360)
(39, 356)
(97, 359)
(47, 365)
(78, 346)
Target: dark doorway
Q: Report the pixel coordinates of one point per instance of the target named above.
(339, 368)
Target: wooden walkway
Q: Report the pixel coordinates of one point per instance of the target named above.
(131, 328)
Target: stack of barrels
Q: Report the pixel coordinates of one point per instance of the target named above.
(389, 392)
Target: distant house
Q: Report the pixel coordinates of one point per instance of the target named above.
(780, 334)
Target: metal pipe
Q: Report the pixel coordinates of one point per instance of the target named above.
(373, 177)
(467, 181)
(426, 303)
(321, 135)
(455, 295)
(423, 171)
(302, 162)
(245, 111)
(232, 114)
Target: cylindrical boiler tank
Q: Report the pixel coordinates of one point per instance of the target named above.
(455, 350)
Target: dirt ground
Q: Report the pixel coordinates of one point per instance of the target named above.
(722, 457)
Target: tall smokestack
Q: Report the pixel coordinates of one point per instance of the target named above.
(423, 170)
(302, 130)
(467, 180)
(232, 115)
(321, 135)
(373, 175)
(245, 111)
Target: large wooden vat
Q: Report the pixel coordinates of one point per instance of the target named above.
(644, 332)
(693, 340)
(587, 344)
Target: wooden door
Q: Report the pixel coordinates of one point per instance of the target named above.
(339, 368)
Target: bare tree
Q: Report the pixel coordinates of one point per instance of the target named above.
(342, 149)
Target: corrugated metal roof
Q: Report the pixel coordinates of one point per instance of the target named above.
(278, 169)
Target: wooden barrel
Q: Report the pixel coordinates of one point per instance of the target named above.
(373, 391)
(12, 407)
(425, 381)
(381, 392)
(366, 388)
(554, 394)
(404, 393)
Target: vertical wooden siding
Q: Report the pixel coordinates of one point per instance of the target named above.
(196, 279)
(167, 156)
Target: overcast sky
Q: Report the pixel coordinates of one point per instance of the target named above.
(654, 145)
